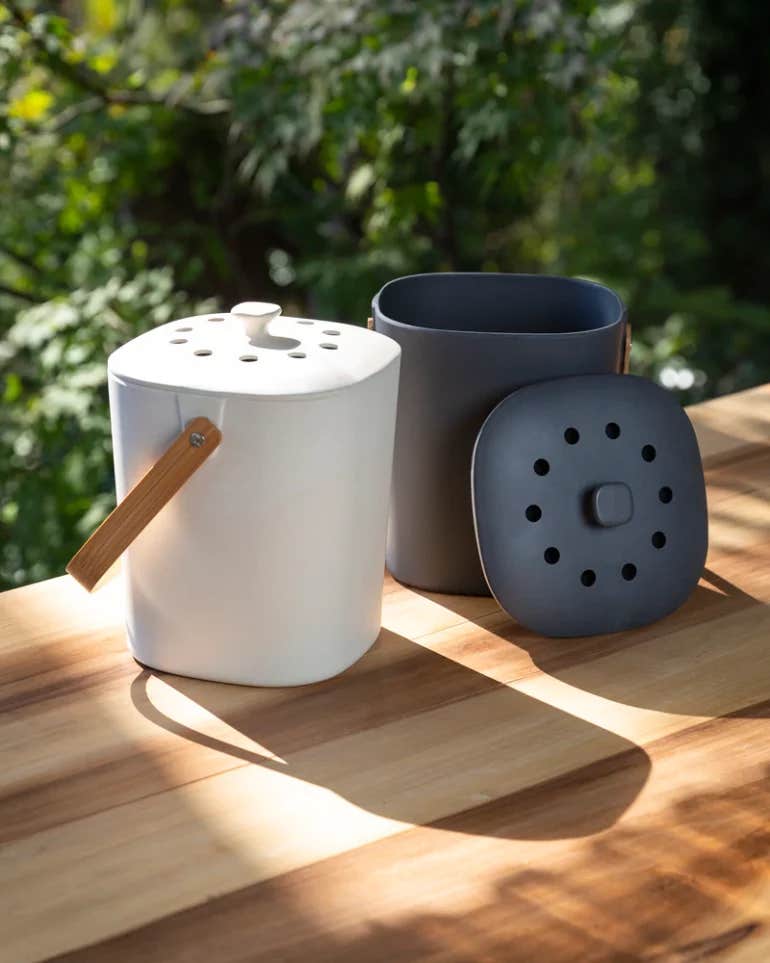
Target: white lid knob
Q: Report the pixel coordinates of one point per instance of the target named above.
(256, 315)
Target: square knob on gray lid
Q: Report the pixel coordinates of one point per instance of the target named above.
(589, 504)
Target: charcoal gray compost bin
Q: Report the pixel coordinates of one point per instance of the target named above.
(468, 340)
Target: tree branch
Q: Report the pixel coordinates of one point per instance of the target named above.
(15, 293)
(21, 259)
(92, 82)
(66, 116)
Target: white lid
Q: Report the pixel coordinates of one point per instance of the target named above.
(253, 351)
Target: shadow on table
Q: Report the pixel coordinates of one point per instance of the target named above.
(689, 663)
(416, 734)
(678, 885)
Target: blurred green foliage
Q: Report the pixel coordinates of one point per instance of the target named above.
(160, 158)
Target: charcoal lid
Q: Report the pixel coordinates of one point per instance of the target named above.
(589, 504)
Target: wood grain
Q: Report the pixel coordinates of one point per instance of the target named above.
(182, 458)
(467, 791)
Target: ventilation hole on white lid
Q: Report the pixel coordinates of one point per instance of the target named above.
(665, 494)
(297, 354)
(329, 347)
(533, 513)
(248, 357)
(551, 555)
(658, 539)
(305, 322)
(202, 352)
(649, 453)
(612, 429)
(178, 341)
(588, 577)
(217, 318)
(628, 571)
(541, 467)
(572, 436)
(182, 329)
(334, 334)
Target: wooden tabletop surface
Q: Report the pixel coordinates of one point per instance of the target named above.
(467, 791)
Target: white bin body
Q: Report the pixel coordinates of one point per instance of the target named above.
(266, 567)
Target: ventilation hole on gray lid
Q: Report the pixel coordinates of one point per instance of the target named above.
(202, 352)
(572, 436)
(612, 429)
(665, 494)
(628, 571)
(551, 555)
(305, 322)
(297, 354)
(533, 513)
(328, 346)
(541, 467)
(248, 357)
(334, 334)
(178, 341)
(588, 577)
(658, 539)
(182, 329)
(649, 453)
(217, 318)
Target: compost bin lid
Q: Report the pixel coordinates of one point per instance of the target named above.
(253, 350)
(589, 504)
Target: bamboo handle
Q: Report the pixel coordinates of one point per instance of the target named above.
(627, 349)
(185, 455)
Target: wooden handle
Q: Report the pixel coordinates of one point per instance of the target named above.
(187, 453)
(627, 349)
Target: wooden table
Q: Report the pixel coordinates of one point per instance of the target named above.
(467, 791)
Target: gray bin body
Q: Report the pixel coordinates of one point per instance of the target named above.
(468, 341)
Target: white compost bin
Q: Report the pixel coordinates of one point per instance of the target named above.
(266, 567)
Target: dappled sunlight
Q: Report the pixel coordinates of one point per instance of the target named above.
(221, 787)
(75, 757)
(726, 424)
(189, 715)
(639, 725)
(419, 612)
(417, 759)
(693, 672)
(277, 821)
(739, 523)
(685, 875)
